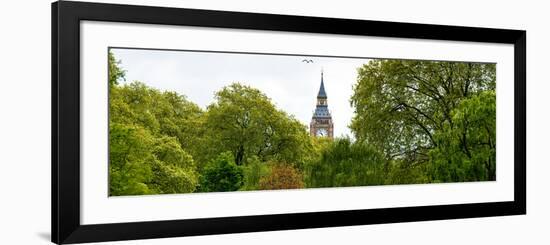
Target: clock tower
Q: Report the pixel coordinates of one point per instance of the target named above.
(321, 121)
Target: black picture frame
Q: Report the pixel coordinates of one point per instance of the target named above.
(66, 17)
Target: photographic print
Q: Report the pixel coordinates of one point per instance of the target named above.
(189, 121)
(220, 122)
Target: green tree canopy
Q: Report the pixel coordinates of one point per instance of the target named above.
(174, 171)
(130, 160)
(221, 174)
(346, 163)
(140, 163)
(399, 104)
(148, 132)
(466, 149)
(254, 170)
(115, 72)
(162, 113)
(245, 122)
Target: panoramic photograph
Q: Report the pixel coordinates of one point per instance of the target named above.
(184, 121)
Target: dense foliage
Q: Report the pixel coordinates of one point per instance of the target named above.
(245, 122)
(221, 174)
(344, 163)
(466, 149)
(414, 122)
(282, 176)
(433, 121)
(146, 153)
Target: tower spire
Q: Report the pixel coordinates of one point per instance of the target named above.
(322, 93)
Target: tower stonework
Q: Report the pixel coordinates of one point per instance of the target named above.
(321, 122)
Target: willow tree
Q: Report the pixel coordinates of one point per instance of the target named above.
(400, 104)
(346, 163)
(405, 107)
(466, 151)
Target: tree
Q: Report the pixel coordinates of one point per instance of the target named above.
(149, 131)
(140, 164)
(243, 121)
(221, 174)
(400, 172)
(346, 163)
(174, 170)
(129, 160)
(466, 148)
(115, 71)
(164, 113)
(400, 104)
(282, 176)
(254, 171)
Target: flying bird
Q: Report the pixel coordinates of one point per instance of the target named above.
(307, 61)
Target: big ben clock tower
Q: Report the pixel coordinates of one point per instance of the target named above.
(321, 121)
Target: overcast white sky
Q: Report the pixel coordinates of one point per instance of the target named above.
(290, 83)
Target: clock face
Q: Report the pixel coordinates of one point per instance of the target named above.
(322, 132)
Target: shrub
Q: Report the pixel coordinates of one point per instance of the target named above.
(221, 174)
(282, 176)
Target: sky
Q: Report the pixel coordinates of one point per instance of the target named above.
(291, 83)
